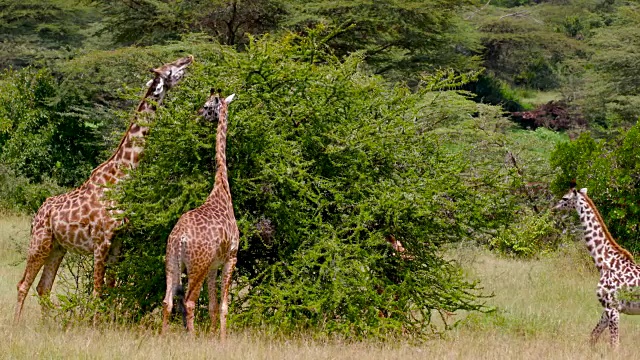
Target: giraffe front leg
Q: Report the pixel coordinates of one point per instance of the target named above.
(614, 321)
(227, 271)
(100, 254)
(112, 259)
(213, 298)
(597, 331)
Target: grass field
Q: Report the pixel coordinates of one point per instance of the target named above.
(545, 310)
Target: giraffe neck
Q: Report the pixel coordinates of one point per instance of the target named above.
(603, 248)
(128, 153)
(221, 179)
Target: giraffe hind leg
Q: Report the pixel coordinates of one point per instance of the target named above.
(214, 309)
(33, 267)
(227, 271)
(39, 250)
(602, 324)
(196, 279)
(49, 271)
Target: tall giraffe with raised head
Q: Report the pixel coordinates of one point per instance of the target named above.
(82, 220)
(206, 238)
(618, 271)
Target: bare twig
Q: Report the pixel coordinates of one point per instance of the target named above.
(524, 13)
(477, 11)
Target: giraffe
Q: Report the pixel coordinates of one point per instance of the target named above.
(81, 220)
(206, 238)
(618, 270)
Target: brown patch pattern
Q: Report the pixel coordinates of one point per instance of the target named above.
(616, 265)
(205, 239)
(81, 220)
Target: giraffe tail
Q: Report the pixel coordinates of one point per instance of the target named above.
(181, 308)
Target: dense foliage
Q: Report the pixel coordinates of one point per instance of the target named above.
(610, 171)
(42, 30)
(325, 163)
(40, 135)
(347, 130)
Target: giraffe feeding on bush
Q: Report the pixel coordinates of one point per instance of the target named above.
(206, 238)
(619, 274)
(83, 220)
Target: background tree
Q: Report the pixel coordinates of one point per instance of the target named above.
(610, 94)
(610, 170)
(396, 37)
(147, 22)
(34, 30)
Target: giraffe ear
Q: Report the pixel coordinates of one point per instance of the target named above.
(583, 191)
(230, 98)
(149, 82)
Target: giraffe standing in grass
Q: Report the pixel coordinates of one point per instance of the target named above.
(206, 238)
(82, 220)
(618, 271)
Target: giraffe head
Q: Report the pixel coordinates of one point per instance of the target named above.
(211, 109)
(167, 76)
(570, 199)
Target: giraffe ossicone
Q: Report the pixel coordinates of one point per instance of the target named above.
(618, 271)
(82, 220)
(206, 238)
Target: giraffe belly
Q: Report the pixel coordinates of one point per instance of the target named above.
(81, 233)
(75, 237)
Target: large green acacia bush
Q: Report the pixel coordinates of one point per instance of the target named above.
(324, 162)
(610, 169)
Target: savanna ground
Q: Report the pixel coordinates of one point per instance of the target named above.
(545, 310)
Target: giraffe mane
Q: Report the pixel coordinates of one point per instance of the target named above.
(124, 137)
(607, 234)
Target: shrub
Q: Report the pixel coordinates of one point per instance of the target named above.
(610, 169)
(324, 163)
(531, 235)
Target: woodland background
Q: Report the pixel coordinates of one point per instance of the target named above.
(443, 123)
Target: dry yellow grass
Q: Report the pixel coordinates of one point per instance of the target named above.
(546, 309)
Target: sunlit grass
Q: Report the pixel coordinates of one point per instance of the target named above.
(545, 309)
(534, 98)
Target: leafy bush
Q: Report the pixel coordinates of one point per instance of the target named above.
(324, 162)
(39, 136)
(19, 194)
(489, 89)
(531, 235)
